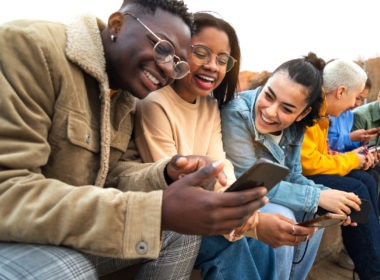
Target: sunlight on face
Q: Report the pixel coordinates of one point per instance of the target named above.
(280, 103)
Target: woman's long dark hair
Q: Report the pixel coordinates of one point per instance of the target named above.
(307, 71)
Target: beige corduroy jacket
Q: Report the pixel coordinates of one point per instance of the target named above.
(63, 168)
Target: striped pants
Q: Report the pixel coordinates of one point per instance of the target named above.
(46, 262)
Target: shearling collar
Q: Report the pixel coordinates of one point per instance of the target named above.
(84, 46)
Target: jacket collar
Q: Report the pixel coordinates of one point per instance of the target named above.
(290, 134)
(84, 46)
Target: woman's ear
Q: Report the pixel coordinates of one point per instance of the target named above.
(340, 91)
(303, 114)
(115, 21)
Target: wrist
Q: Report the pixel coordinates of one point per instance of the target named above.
(168, 179)
(253, 230)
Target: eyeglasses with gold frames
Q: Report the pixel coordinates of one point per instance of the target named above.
(163, 52)
(201, 55)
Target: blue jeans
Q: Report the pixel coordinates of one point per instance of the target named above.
(362, 242)
(295, 262)
(245, 259)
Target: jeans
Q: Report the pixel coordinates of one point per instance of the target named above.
(245, 259)
(362, 242)
(295, 262)
(375, 172)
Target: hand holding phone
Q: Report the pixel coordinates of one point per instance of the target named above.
(263, 172)
(361, 217)
(325, 220)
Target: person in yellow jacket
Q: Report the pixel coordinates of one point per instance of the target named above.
(343, 81)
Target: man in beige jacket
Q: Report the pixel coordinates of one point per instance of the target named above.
(66, 175)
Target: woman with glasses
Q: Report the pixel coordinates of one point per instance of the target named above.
(69, 202)
(184, 118)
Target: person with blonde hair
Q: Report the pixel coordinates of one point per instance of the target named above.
(343, 81)
(269, 123)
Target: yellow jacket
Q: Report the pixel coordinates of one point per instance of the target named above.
(314, 153)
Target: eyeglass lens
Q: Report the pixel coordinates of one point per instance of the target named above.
(181, 69)
(202, 55)
(164, 52)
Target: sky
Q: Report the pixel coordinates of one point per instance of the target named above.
(270, 31)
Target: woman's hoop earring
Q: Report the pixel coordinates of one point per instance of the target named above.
(113, 38)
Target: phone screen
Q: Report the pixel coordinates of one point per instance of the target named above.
(263, 173)
(325, 220)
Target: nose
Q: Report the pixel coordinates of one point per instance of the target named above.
(167, 68)
(271, 111)
(212, 64)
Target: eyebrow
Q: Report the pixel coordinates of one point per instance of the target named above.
(287, 104)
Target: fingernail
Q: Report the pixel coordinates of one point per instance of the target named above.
(216, 163)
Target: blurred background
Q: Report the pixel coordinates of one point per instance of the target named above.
(270, 31)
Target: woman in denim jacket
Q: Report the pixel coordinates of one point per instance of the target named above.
(269, 123)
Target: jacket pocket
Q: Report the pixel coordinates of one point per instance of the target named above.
(82, 134)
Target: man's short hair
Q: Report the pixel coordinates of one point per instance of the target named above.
(175, 7)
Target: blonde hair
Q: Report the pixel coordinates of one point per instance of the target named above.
(341, 72)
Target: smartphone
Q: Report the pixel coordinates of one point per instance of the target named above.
(372, 149)
(263, 172)
(361, 217)
(325, 220)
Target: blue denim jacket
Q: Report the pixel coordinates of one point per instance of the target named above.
(244, 144)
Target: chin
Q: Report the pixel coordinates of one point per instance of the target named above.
(204, 94)
(140, 94)
(260, 129)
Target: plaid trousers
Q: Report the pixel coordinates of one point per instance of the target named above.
(46, 262)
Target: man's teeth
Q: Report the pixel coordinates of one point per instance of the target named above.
(151, 78)
(207, 78)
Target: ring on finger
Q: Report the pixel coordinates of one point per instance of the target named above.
(293, 230)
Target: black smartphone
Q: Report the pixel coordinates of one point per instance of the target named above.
(263, 172)
(361, 217)
(325, 220)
